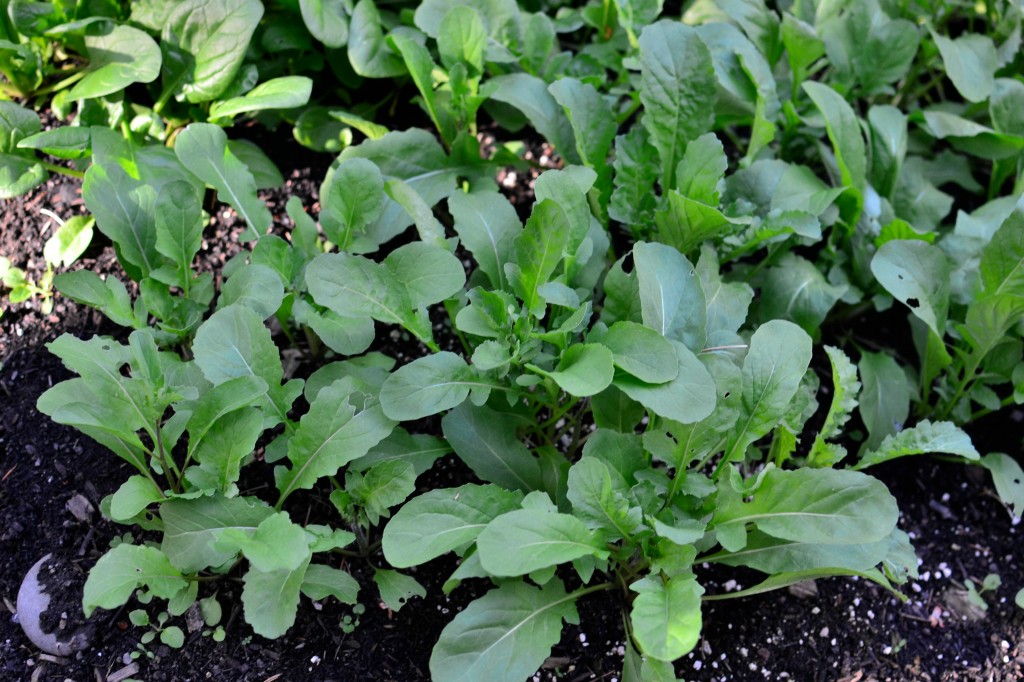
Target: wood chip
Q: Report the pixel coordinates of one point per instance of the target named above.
(123, 673)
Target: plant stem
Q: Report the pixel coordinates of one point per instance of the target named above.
(54, 168)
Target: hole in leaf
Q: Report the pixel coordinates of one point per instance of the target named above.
(627, 263)
(913, 302)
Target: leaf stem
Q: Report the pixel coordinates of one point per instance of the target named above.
(61, 170)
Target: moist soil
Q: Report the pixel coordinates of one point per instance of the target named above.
(52, 481)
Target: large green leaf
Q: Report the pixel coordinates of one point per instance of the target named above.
(827, 506)
(526, 540)
(596, 502)
(796, 290)
(917, 274)
(641, 351)
(353, 200)
(636, 172)
(670, 295)
(584, 369)
(120, 571)
(203, 149)
(326, 20)
(124, 209)
(271, 600)
(192, 527)
(220, 453)
(779, 354)
(688, 398)
(666, 616)
(286, 92)
(772, 555)
(442, 520)
(429, 385)
(677, 88)
(885, 397)
(538, 251)
(591, 117)
(865, 46)
(486, 441)
(530, 95)
(204, 43)
(179, 231)
(117, 59)
(970, 63)
(1002, 260)
(503, 636)
(487, 225)
(368, 51)
(843, 132)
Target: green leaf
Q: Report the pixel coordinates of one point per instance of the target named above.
(845, 388)
(827, 506)
(885, 397)
(776, 361)
(385, 485)
(503, 636)
(666, 616)
(330, 435)
(923, 438)
(254, 286)
(636, 172)
(125, 210)
(204, 44)
(867, 47)
(120, 571)
(591, 117)
(527, 540)
(69, 241)
(1009, 481)
(277, 544)
(1002, 259)
(117, 59)
(225, 445)
(917, 274)
(234, 343)
(678, 90)
(596, 502)
(584, 369)
(429, 228)
(345, 335)
(530, 95)
(888, 147)
(218, 402)
(970, 63)
(971, 137)
(568, 188)
(429, 273)
(487, 225)
(322, 581)
(538, 251)
(1006, 107)
(179, 230)
(286, 92)
(368, 51)
(462, 39)
(796, 290)
(202, 149)
(443, 520)
(271, 600)
(396, 589)
(688, 398)
(772, 555)
(843, 132)
(429, 385)
(670, 295)
(421, 450)
(803, 46)
(134, 495)
(413, 156)
(486, 441)
(641, 351)
(701, 170)
(192, 527)
(354, 199)
(326, 21)
(173, 637)
(65, 142)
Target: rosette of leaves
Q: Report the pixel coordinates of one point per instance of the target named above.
(618, 427)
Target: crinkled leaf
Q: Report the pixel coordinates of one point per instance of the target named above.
(924, 437)
(845, 388)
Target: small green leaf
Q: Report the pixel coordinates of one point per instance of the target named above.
(134, 495)
(368, 51)
(641, 351)
(69, 241)
(354, 199)
(584, 369)
(322, 581)
(885, 397)
(917, 274)
(326, 20)
(173, 637)
(462, 39)
(396, 589)
(191, 528)
(1008, 478)
(277, 544)
(666, 616)
(688, 398)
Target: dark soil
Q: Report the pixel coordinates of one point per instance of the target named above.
(836, 630)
